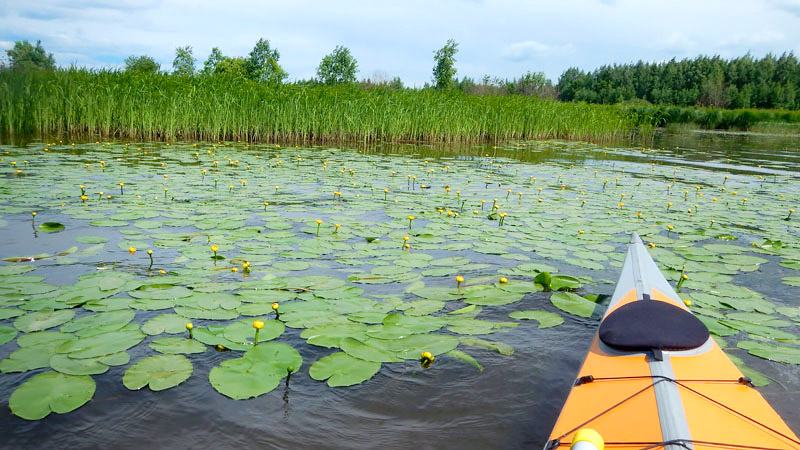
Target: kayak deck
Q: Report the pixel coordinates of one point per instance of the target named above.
(674, 399)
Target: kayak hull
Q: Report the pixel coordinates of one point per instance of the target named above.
(694, 398)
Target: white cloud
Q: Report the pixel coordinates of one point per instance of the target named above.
(530, 50)
(501, 38)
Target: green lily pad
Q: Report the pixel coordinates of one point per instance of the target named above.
(165, 323)
(499, 347)
(410, 347)
(560, 282)
(88, 239)
(43, 319)
(546, 319)
(243, 331)
(341, 369)
(96, 320)
(50, 227)
(779, 353)
(101, 344)
(791, 281)
(368, 350)
(471, 326)
(214, 335)
(463, 357)
(66, 365)
(51, 392)
(256, 373)
(7, 334)
(573, 304)
(331, 335)
(158, 372)
(177, 345)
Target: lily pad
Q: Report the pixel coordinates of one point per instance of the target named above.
(50, 227)
(101, 344)
(256, 373)
(177, 345)
(51, 392)
(158, 372)
(7, 334)
(368, 350)
(43, 319)
(546, 319)
(165, 323)
(243, 331)
(341, 369)
(573, 304)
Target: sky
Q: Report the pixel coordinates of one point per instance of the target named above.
(503, 38)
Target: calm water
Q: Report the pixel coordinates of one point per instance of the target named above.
(512, 403)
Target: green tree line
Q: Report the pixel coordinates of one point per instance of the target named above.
(745, 82)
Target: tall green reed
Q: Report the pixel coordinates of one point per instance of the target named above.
(84, 103)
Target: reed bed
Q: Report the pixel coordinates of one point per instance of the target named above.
(84, 103)
(715, 118)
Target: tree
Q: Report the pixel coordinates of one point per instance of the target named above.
(183, 64)
(25, 55)
(534, 83)
(141, 64)
(236, 67)
(338, 67)
(262, 64)
(210, 66)
(444, 70)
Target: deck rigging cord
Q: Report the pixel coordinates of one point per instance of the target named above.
(554, 443)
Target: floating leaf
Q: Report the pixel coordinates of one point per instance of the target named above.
(780, 353)
(50, 227)
(546, 319)
(66, 365)
(368, 350)
(560, 282)
(499, 347)
(42, 320)
(330, 335)
(177, 345)
(165, 323)
(158, 372)
(259, 371)
(573, 304)
(243, 331)
(7, 334)
(471, 326)
(410, 347)
(50, 392)
(463, 357)
(341, 369)
(101, 344)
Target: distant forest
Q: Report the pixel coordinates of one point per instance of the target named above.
(743, 82)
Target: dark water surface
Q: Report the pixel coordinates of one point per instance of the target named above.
(512, 403)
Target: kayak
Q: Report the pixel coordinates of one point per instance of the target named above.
(655, 379)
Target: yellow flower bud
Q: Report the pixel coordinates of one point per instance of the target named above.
(258, 324)
(132, 249)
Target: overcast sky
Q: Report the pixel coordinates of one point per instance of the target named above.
(502, 38)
